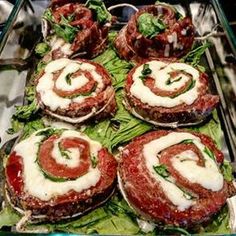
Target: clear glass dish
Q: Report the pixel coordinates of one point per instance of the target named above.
(22, 32)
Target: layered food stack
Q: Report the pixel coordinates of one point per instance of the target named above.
(169, 176)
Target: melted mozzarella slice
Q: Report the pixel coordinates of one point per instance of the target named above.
(161, 73)
(208, 177)
(45, 86)
(34, 177)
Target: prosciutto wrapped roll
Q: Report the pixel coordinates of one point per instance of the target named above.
(75, 90)
(169, 93)
(155, 31)
(75, 28)
(58, 173)
(173, 177)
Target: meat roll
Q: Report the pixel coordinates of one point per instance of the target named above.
(76, 28)
(169, 93)
(75, 90)
(58, 173)
(173, 177)
(155, 31)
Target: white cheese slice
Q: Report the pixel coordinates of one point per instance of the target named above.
(46, 83)
(208, 177)
(35, 182)
(160, 73)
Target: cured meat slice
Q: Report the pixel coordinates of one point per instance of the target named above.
(173, 177)
(155, 31)
(75, 90)
(169, 93)
(58, 173)
(76, 28)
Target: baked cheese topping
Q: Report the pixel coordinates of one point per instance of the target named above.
(162, 73)
(45, 188)
(208, 176)
(71, 77)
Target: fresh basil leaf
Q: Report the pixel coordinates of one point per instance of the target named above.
(68, 79)
(98, 6)
(191, 85)
(145, 71)
(32, 126)
(49, 132)
(162, 170)
(64, 152)
(53, 178)
(186, 141)
(171, 80)
(209, 153)
(194, 56)
(8, 217)
(66, 32)
(48, 15)
(94, 161)
(26, 111)
(227, 171)
(149, 25)
(42, 49)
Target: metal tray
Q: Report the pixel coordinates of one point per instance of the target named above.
(22, 32)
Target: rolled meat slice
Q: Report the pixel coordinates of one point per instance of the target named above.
(169, 93)
(59, 173)
(155, 31)
(75, 90)
(76, 28)
(173, 177)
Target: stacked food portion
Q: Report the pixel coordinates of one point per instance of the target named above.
(75, 90)
(155, 31)
(169, 93)
(80, 111)
(58, 173)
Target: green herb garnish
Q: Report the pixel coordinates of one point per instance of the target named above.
(145, 71)
(66, 32)
(98, 6)
(186, 141)
(149, 25)
(162, 170)
(49, 132)
(191, 85)
(171, 81)
(209, 152)
(227, 170)
(64, 152)
(42, 49)
(26, 111)
(194, 56)
(94, 161)
(68, 79)
(48, 15)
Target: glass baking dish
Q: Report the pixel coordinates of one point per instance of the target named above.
(23, 31)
